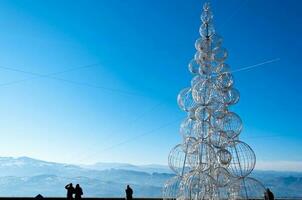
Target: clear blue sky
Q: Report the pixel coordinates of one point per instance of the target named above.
(142, 47)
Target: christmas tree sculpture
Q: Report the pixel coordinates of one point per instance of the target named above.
(211, 162)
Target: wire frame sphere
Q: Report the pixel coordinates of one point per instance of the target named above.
(219, 139)
(207, 15)
(223, 192)
(223, 68)
(201, 92)
(202, 113)
(220, 54)
(187, 128)
(230, 123)
(224, 157)
(206, 67)
(185, 99)
(203, 157)
(221, 176)
(202, 129)
(217, 109)
(207, 44)
(243, 159)
(189, 144)
(194, 67)
(191, 114)
(177, 160)
(200, 56)
(231, 96)
(206, 29)
(216, 40)
(202, 44)
(245, 189)
(199, 186)
(198, 78)
(171, 190)
(217, 96)
(224, 80)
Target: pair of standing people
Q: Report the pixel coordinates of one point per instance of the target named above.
(71, 190)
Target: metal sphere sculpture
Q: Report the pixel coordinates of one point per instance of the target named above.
(211, 162)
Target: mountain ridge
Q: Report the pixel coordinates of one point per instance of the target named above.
(34, 176)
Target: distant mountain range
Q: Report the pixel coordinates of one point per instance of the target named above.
(25, 176)
(126, 166)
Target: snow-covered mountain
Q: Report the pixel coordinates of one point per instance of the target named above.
(25, 176)
(126, 166)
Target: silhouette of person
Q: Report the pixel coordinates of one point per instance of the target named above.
(70, 191)
(39, 197)
(269, 195)
(78, 192)
(129, 193)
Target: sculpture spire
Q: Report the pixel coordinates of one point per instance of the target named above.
(211, 162)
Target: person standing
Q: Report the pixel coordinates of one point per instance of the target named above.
(129, 193)
(269, 195)
(78, 192)
(70, 190)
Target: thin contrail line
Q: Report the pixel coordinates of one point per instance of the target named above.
(255, 65)
(131, 139)
(234, 14)
(42, 75)
(143, 114)
(51, 76)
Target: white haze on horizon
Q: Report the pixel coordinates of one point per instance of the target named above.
(293, 166)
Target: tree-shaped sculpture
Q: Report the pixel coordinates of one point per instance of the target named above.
(211, 163)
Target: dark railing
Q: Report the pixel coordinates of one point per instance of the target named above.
(110, 198)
